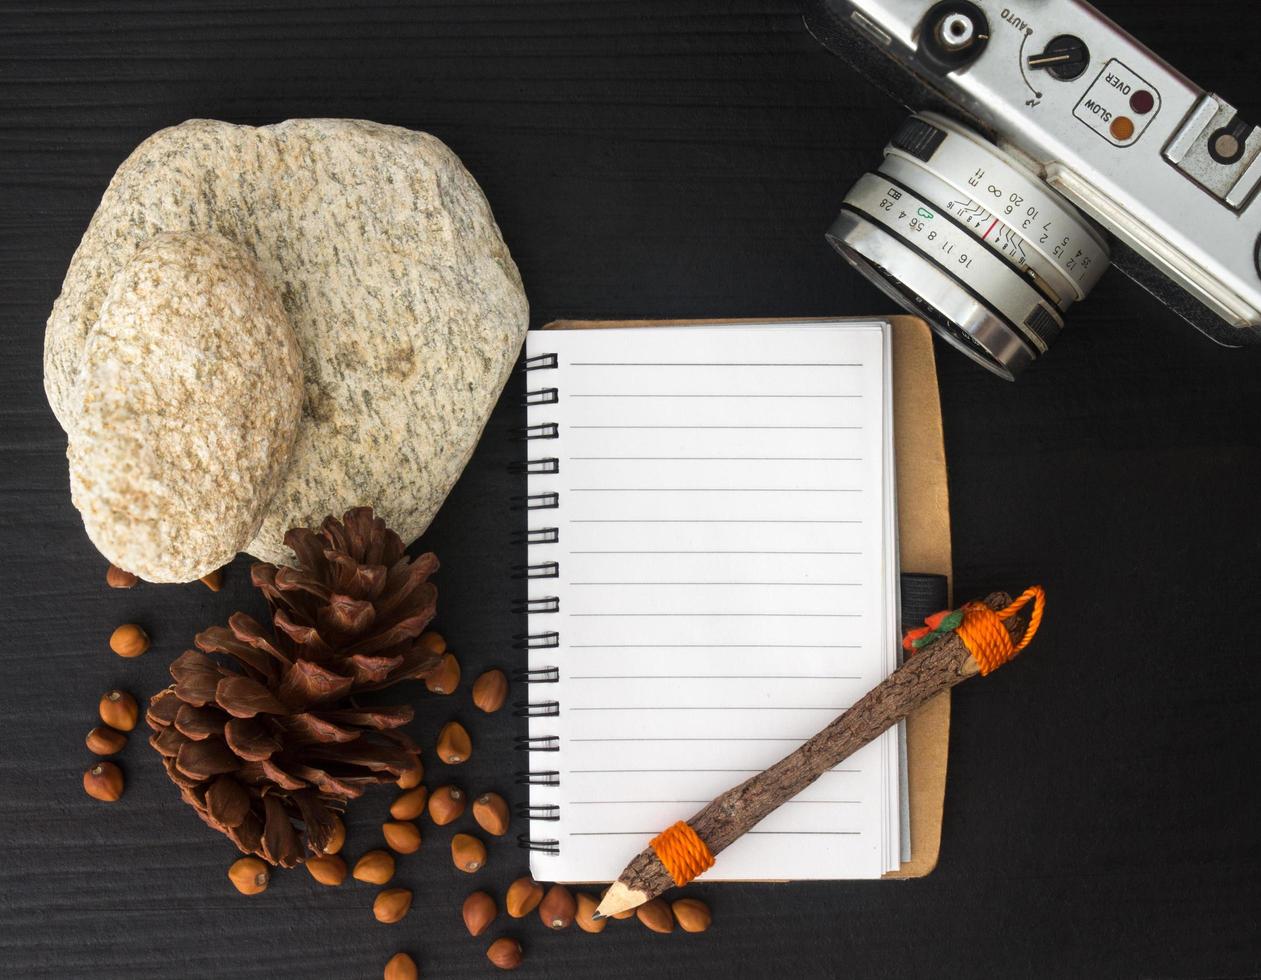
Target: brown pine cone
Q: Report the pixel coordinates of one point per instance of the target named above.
(259, 730)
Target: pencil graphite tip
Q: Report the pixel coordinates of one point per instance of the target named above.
(596, 916)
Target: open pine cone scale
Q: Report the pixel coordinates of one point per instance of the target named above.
(260, 732)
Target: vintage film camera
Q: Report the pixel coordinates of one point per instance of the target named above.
(1040, 121)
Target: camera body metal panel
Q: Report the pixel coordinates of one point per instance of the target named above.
(1127, 138)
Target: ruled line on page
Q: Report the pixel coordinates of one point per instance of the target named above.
(807, 364)
(736, 394)
(708, 707)
(790, 428)
(792, 584)
(713, 677)
(715, 646)
(743, 552)
(707, 520)
(749, 771)
(716, 459)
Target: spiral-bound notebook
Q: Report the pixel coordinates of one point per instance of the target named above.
(712, 577)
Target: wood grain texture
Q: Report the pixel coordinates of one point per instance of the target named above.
(669, 158)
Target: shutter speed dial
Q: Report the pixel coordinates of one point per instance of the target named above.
(1065, 58)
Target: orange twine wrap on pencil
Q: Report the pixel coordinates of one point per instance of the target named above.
(983, 633)
(682, 852)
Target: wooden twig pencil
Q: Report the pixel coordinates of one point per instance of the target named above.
(977, 639)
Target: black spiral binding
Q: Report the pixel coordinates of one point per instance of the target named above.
(543, 605)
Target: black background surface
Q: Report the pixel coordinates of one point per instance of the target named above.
(679, 158)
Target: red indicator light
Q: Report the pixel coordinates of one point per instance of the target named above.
(1142, 102)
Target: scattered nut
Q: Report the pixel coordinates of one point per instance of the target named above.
(401, 967)
(104, 781)
(490, 690)
(446, 676)
(587, 905)
(327, 869)
(491, 813)
(375, 867)
(338, 838)
(103, 740)
(412, 777)
(129, 640)
(656, 915)
(119, 710)
(446, 803)
(523, 897)
(505, 953)
(409, 805)
(692, 914)
(468, 853)
(401, 836)
(213, 580)
(433, 642)
(249, 875)
(479, 912)
(558, 907)
(391, 905)
(454, 744)
(116, 578)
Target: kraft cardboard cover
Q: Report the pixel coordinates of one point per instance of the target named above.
(923, 539)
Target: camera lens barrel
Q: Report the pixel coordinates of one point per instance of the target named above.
(962, 234)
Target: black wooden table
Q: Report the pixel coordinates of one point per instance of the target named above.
(678, 158)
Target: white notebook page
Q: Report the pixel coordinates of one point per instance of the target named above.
(726, 568)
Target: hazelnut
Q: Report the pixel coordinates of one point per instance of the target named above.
(375, 867)
(505, 953)
(401, 836)
(104, 781)
(454, 744)
(479, 912)
(249, 875)
(433, 642)
(468, 853)
(103, 740)
(692, 914)
(490, 690)
(587, 905)
(558, 907)
(213, 580)
(656, 915)
(523, 897)
(327, 869)
(445, 677)
(409, 805)
(401, 967)
(337, 839)
(491, 813)
(129, 640)
(391, 905)
(116, 578)
(446, 803)
(119, 710)
(411, 778)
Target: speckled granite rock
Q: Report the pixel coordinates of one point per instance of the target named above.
(407, 305)
(186, 407)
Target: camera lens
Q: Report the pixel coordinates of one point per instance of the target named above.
(960, 233)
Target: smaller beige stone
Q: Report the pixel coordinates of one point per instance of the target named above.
(187, 402)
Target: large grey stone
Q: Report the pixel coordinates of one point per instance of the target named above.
(407, 306)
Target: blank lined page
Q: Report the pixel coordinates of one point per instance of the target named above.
(724, 560)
